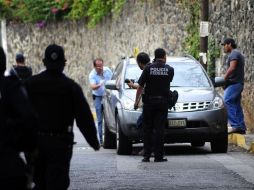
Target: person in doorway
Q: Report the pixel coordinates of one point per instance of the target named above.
(23, 72)
(97, 78)
(57, 100)
(155, 80)
(234, 77)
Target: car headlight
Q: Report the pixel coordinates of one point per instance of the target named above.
(217, 103)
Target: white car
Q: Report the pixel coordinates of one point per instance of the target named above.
(199, 115)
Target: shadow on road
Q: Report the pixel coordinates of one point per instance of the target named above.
(177, 149)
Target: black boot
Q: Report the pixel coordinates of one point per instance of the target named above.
(146, 159)
(160, 160)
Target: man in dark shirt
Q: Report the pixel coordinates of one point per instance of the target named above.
(156, 79)
(58, 100)
(17, 130)
(22, 71)
(143, 60)
(235, 83)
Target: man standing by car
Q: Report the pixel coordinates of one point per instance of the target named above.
(97, 78)
(58, 100)
(156, 79)
(234, 77)
(143, 60)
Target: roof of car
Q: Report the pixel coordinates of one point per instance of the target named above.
(170, 59)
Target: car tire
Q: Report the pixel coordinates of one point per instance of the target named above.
(197, 143)
(123, 144)
(109, 138)
(220, 143)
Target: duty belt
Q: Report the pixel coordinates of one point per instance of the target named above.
(156, 97)
(95, 96)
(55, 133)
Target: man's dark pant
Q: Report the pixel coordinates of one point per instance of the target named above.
(52, 162)
(12, 170)
(154, 121)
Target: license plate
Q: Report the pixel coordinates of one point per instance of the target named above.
(177, 122)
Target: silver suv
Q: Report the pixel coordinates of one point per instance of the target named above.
(199, 115)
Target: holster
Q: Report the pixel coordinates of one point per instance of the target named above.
(172, 99)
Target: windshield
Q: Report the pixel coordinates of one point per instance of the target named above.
(186, 75)
(189, 75)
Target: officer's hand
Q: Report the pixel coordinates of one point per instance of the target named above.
(135, 106)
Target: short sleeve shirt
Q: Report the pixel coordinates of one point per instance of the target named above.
(238, 74)
(95, 78)
(156, 78)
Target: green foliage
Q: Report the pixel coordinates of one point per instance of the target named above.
(48, 10)
(192, 41)
(97, 10)
(213, 53)
(79, 9)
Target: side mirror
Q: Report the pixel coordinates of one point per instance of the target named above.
(219, 82)
(111, 85)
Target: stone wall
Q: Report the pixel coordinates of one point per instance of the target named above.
(146, 26)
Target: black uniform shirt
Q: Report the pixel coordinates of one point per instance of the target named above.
(58, 100)
(156, 78)
(23, 72)
(17, 118)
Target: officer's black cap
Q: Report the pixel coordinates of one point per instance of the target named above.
(54, 57)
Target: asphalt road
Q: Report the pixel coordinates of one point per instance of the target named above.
(187, 168)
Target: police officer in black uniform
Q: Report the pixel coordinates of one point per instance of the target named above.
(156, 79)
(17, 130)
(58, 100)
(23, 72)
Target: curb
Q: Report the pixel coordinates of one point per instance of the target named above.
(240, 140)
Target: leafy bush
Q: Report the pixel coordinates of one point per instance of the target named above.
(40, 11)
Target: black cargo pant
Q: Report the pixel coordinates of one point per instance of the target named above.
(52, 162)
(154, 121)
(12, 170)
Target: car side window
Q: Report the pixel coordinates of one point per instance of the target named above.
(117, 71)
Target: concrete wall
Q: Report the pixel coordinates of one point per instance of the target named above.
(146, 26)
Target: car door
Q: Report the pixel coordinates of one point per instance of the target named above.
(112, 97)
